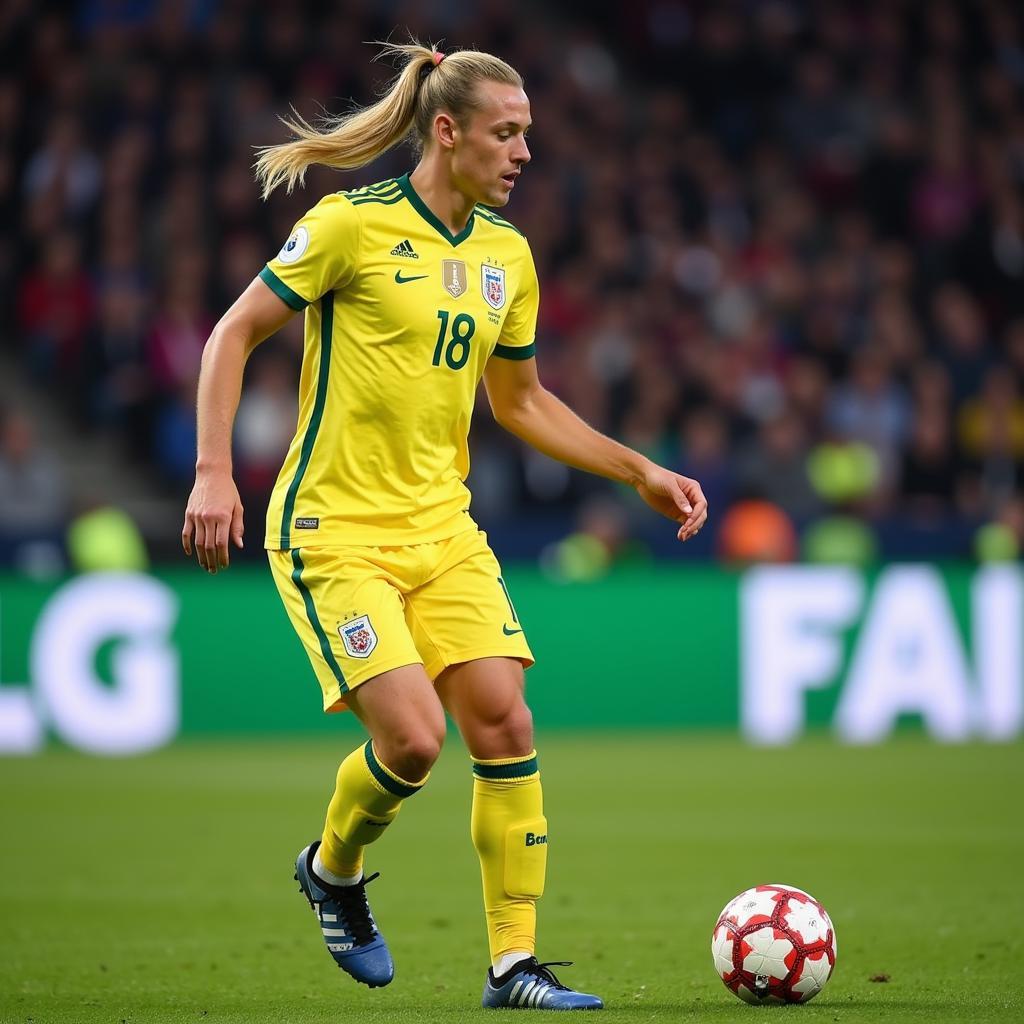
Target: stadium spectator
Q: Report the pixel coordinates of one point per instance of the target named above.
(56, 306)
(118, 386)
(180, 327)
(839, 540)
(774, 467)
(64, 169)
(870, 406)
(264, 425)
(756, 531)
(929, 469)
(33, 498)
(103, 538)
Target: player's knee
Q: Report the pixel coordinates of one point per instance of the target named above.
(518, 729)
(505, 734)
(412, 754)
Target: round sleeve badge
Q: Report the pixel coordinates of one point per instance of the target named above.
(293, 249)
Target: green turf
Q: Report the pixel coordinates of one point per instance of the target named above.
(160, 889)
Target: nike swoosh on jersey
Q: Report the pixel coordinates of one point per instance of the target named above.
(509, 632)
(405, 280)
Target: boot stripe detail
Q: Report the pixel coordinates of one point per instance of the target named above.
(534, 988)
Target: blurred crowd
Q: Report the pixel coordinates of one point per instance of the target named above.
(781, 249)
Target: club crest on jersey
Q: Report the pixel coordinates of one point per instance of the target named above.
(453, 277)
(358, 637)
(492, 284)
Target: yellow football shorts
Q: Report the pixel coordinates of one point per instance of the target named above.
(361, 611)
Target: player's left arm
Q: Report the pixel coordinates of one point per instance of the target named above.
(524, 407)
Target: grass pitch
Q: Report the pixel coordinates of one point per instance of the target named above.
(160, 889)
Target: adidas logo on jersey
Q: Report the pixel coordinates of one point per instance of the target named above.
(405, 249)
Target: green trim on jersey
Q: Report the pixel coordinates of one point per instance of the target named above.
(314, 620)
(382, 200)
(427, 214)
(291, 299)
(492, 218)
(380, 186)
(384, 191)
(326, 334)
(516, 352)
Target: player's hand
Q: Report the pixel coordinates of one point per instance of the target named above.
(675, 497)
(212, 516)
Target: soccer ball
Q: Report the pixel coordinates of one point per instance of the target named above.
(774, 944)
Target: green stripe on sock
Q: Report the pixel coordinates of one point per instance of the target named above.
(503, 772)
(392, 785)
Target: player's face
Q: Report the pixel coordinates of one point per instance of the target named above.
(490, 145)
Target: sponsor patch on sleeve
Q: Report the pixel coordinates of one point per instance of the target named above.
(293, 249)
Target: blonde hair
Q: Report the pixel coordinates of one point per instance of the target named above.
(422, 87)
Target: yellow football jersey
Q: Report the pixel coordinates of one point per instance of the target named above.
(401, 318)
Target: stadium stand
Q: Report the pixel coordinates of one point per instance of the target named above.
(781, 248)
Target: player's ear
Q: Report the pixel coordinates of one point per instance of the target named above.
(445, 129)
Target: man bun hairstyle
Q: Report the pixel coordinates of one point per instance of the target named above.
(428, 81)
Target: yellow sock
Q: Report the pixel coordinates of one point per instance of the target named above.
(510, 834)
(367, 798)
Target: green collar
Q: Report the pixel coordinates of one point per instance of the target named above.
(427, 214)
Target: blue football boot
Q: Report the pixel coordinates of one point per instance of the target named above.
(347, 925)
(529, 985)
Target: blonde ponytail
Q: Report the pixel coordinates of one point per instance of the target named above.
(424, 85)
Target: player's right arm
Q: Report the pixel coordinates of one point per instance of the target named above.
(321, 255)
(214, 511)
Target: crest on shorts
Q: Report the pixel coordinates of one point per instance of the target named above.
(492, 284)
(453, 277)
(358, 637)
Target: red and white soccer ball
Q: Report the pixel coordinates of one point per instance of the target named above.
(774, 944)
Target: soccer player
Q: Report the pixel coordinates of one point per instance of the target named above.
(413, 290)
